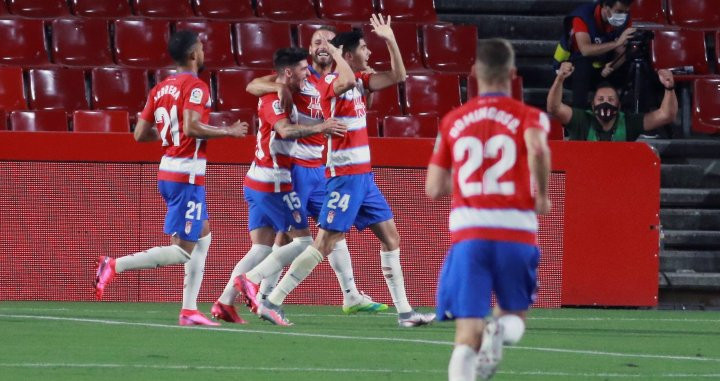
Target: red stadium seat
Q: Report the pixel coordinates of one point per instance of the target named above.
(3, 120)
(105, 8)
(81, 42)
(702, 14)
(224, 9)
(373, 124)
(449, 48)
(24, 42)
(408, 42)
(176, 9)
(706, 106)
(227, 118)
(39, 120)
(256, 42)
(57, 88)
(437, 93)
(295, 10)
(142, 42)
(680, 49)
(38, 8)
(346, 10)
(305, 31)
(115, 88)
(385, 102)
(717, 47)
(11, 89)
(517, 87)
(409, 10)
(164, 72)
(411, 126)
(101, 121)
(648, 11)
(556, 130)
(231, 94)
(215, 36)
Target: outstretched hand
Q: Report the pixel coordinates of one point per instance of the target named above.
(381, 27)
(332, 49)
(238, 129)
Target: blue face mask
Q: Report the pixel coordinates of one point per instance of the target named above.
(617, 19)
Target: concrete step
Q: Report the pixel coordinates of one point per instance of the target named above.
(690, 197)
(535, 48)
(536, 71)
(687, 176)
(703, 261)
(511, 27)
(691, 239)
(560, 7)
(686, 148)
(690, 219)
(689, 280)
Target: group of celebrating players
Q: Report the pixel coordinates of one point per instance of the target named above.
(487, 153)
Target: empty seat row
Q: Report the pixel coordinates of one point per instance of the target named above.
(699, 14)
(683, 51)
(143, 43)
(341, 10)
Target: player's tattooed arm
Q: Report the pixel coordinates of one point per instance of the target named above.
(266, 85)
(145, 131)
(288, 130)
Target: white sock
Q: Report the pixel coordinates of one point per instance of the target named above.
(300, 268)
(462, 363)
(194, 270)
(279, 258)
(269, 283)
(152, 258)
(254, 256)
(390, 262)
(340, 261)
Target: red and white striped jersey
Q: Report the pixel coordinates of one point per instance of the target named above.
(270, 170)
(483, 144)
(350, 154)
(184, 159)
(308, 151)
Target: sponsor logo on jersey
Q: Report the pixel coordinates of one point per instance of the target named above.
(277, 107)
(196, 96)
(330, 216)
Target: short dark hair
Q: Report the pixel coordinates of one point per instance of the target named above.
(349, 40)
(180, 45)
(495, 59)
(610, 3)
(288, 57)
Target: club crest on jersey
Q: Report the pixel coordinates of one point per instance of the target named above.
(196, 96)
(188, 227)
(297, 217)
(277, 107)
(330, 216)
(329, 78)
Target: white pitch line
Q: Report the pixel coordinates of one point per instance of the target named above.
(363, 338)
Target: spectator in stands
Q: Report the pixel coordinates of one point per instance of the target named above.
(605, 121)
(594, 37)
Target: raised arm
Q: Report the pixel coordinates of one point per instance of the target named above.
(555, 107)
(397, 74)
(346, 77)
(668, 108)
(194, 128)
(289, 130)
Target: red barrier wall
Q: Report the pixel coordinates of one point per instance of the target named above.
(69, 197)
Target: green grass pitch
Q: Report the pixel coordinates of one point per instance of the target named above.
(141, 341)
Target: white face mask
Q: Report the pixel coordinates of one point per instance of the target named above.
(617, 19)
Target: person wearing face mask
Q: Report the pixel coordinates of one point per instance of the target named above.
(605, 121)
(594, 37)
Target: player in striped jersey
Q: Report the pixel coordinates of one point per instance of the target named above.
(308, 171)
(352, 197)
(487, 153)
(180, 107)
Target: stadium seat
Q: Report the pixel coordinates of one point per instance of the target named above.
(142, 42)
(38, 8)
(449, 48)
(680, 49)
(431, 93)
(81, 42)
(39, 120)
(717, 47)
(385, 102)
(115, 88)
(24, 42)
(105, 8)
(101, 121)
(346, 10)
(294, 10)
(3, 120)
(256, 42)
(57, 88)
(176, 9)
(556, 130)
(373, 124)
(411, 126)
(215, 36)
(224, 9)
(701, 14)
(305, 31)
(227, 118)
(11, 89)
(408, 42)
(648, 11)
(409, 10)
(517, 87)
(706, 106)
(231, 94)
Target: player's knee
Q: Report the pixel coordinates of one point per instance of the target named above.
(304, 241)
(390, 242)
(513, 327)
